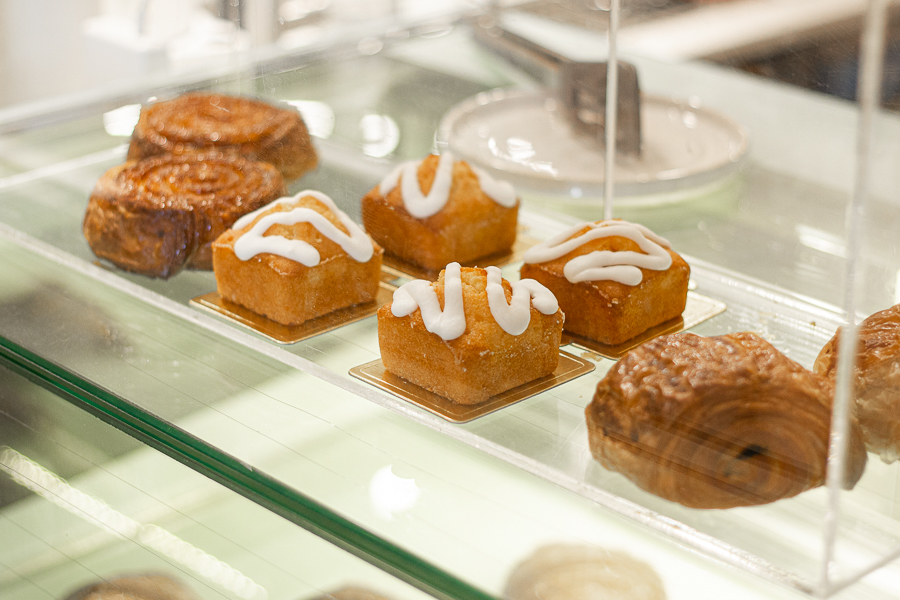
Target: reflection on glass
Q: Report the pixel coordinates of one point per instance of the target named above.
(391, 494)
(821, 241)
(318, 116)
(297, 10)
(380, 135)
(120, 122)
(53, 488)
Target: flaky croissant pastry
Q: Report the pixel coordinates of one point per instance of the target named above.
(877, 380)
(716, 422)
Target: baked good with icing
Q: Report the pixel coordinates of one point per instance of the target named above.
(440, 210)
(876, 380)
(613, 279)
(296, 259)
(243, 126)
(471, 334)
(716, 422)
(159, 215)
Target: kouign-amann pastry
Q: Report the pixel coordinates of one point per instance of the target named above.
(440, 210)
(613, 279)
(243, 126)
(352, 593)
(296, 259)
(876, 395)
(137, 587)
(158, 215)
(581, 572)
(716, 422)
(471, 334)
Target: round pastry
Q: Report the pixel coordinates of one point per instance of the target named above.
(716, 422)
(138, 587)
(158, 215)
(352, 593)
(439, 210)
(576, 572)
(244, 126)
(877, 380)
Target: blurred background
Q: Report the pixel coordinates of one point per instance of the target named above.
(56, 47)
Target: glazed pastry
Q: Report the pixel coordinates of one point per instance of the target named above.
(470, 335)
(297, 259)
(716, 422)
(440, 210)
(580, 572)
(159, 215)
(877, 380)
(243, 126)
(613, 279)
(139, 587)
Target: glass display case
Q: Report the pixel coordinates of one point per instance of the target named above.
(442, 507)
(88, 509)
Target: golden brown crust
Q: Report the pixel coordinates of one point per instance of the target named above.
(877, 380)
(716, 422)
(286, 291)
(608, 311)
(161, 214)
(484, 361)
(471, 225)
(243, 126)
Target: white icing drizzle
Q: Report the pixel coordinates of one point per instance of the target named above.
(514, 317)
(501, 192)
(624, 267)
(449, 323)
(423, 206)
(357, 245)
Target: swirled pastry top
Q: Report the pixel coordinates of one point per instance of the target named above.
(613, 250)
(716, 422)
(510, 305)
(245, 126)
(157, 215)
(191, 181)
(298, 228)
(423, 205)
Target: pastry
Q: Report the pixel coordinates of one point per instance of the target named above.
(613, 279)
(352, 593)
(471, 334)
(876, 401)
(581, 572)
(716, 422)
(440, 210)
(158, 215)
(244, 126)
(297, 259)
(138, 587)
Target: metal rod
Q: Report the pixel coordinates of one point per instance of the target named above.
(612, 103)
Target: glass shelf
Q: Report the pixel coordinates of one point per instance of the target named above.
(83, 504)
(289, 428)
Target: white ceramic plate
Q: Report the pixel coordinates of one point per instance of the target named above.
(520, 136)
